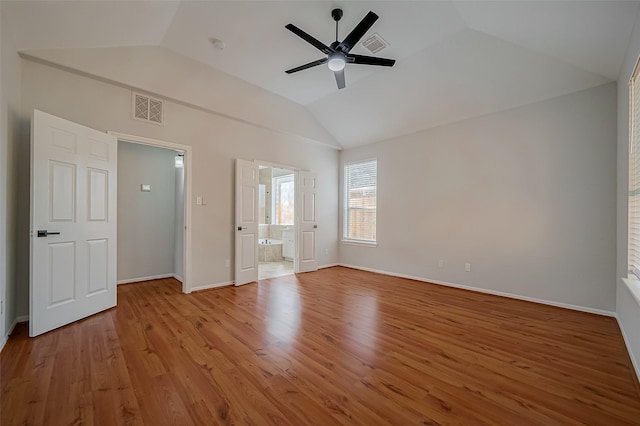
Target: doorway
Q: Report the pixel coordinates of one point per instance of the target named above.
(276, 229)
(156, 203)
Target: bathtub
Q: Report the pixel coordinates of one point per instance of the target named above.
(268, 241)
(269, 250)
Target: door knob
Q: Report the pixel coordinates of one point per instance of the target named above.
(45, 233)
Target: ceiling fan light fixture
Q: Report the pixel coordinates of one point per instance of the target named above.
(336, 62)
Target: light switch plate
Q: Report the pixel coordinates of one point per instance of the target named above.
(145, 187)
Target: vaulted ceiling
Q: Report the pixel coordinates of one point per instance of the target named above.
(455, 60)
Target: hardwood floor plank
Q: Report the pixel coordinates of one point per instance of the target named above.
(338, 346)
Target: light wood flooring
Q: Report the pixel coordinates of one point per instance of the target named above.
(337, 346)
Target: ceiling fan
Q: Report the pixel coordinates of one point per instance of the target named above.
(338, 52)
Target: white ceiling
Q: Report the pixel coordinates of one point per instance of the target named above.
(455, 60)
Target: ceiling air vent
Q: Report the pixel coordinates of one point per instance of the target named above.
(148, 109)
(374, 43)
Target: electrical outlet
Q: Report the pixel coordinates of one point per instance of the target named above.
(227, 263)
(440, 263)
(199, 200)
(467, 267)
(326, 252)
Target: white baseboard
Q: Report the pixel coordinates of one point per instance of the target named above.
(178, 277)
(154, 277)
(634, 361)
(329, 265)
(487, 291)
(209, 286)
(5, 338)
(23, 318)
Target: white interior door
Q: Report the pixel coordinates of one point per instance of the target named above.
(73, 222)
(247, 182)
(307, 224)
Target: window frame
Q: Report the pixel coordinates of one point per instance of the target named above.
(346, 209)
(633, 219)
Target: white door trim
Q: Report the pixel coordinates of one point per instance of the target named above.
(186, 282)
(277, 166)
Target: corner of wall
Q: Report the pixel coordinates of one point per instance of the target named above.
(10, 142)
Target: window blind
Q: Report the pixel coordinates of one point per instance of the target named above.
(360, 200)
(634, 173)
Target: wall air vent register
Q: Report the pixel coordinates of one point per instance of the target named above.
(147, 109)
(374, 43)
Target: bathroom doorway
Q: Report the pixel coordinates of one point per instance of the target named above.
(276, 234)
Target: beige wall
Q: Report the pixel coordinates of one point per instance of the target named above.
(527, 196)
(627, 307)
(159, 70)
(216, 142)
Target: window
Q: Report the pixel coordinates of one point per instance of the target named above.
(360, 200)
(634, 173)
(283, 200)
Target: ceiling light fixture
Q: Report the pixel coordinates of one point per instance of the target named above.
(179, 160)
(336, 62)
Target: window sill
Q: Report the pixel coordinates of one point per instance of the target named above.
(633, 284)
(360, 243)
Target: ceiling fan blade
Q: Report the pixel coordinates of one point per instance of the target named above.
(309, 39)
(309, 65)
(340, 78)
(370, 60)
(356, 34)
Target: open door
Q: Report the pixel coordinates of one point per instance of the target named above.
(73, 222)
(247, 181)
(307, 224)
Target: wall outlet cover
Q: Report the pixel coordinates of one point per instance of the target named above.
(144, 187)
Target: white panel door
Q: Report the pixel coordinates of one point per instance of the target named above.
(247, 181)
(73, 222)
(307, 223)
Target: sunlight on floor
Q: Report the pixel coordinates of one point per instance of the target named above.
(274, 269)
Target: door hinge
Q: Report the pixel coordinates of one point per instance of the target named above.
(1, 307)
